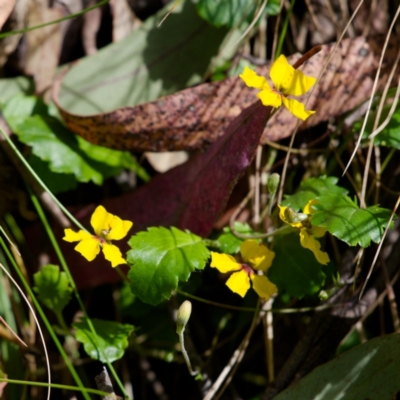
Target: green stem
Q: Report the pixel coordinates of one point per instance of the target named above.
(54, 198)
(45, 320)
(250, 309)
(64, 266)
(185, 354)
(56, 386)
(10, 33)
(284, 29)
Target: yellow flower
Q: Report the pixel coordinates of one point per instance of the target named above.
(107, 227)
(287, 81)
(308, 233)
(256, 257)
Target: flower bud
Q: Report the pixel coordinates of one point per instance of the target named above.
(183, 316)
(273, 183)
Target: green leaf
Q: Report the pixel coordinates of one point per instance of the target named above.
(110, 341)
(230, 243)
(52, 179)
(312, 188)
(344, 219)
(160, 258)
(9, 87)
(369, 371)
(295, 269)
(232, 13)
(52, 287)
(64, 152)
(151, 62)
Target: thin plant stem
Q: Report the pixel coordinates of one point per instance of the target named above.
(45, 320)
(234, 362)
(185, 354)
(251, 309)
(55, 386)
(284, 30)
(10, 33)
(64, 265)
(42, 184)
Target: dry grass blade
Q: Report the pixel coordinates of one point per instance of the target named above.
(379, 247)
(38, 326)
(373, 90)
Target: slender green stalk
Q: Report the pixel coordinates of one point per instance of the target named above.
(182, 319)
(55, 244)
(56, 386)
(10, 33)
(65, 268)
(284, 30)
(22, 158)
(251, 309)
(45, 320)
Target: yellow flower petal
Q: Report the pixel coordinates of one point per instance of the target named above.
(308, 207)
(253, 80)
(239, 282)
(283, 215)
(282, 74)
(113, 254)
(270, 98)
(71, 236)
(109, 226)
(119, 228)
(89, 248)
(224, 262)
(263, 286)
(318, 231)
(288, 80)
(300, 84)
(297, 108)
(100, 221)
(258, 256)
(309, 242)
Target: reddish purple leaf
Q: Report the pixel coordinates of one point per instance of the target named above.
(190, 196)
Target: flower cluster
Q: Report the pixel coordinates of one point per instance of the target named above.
(308, 233)
(107, 227)
(254, 257)
(287, 81)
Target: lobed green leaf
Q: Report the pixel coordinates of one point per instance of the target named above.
(344, 219)
(52, 287)
(310, 189)
(110, 341)
(160, 258)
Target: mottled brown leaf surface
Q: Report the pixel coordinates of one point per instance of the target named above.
(193, 118)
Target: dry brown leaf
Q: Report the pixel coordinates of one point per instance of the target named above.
(44, 44)
(123, 19)
(194, 118)
(16, 21)
(92, 22)
(6, 6)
